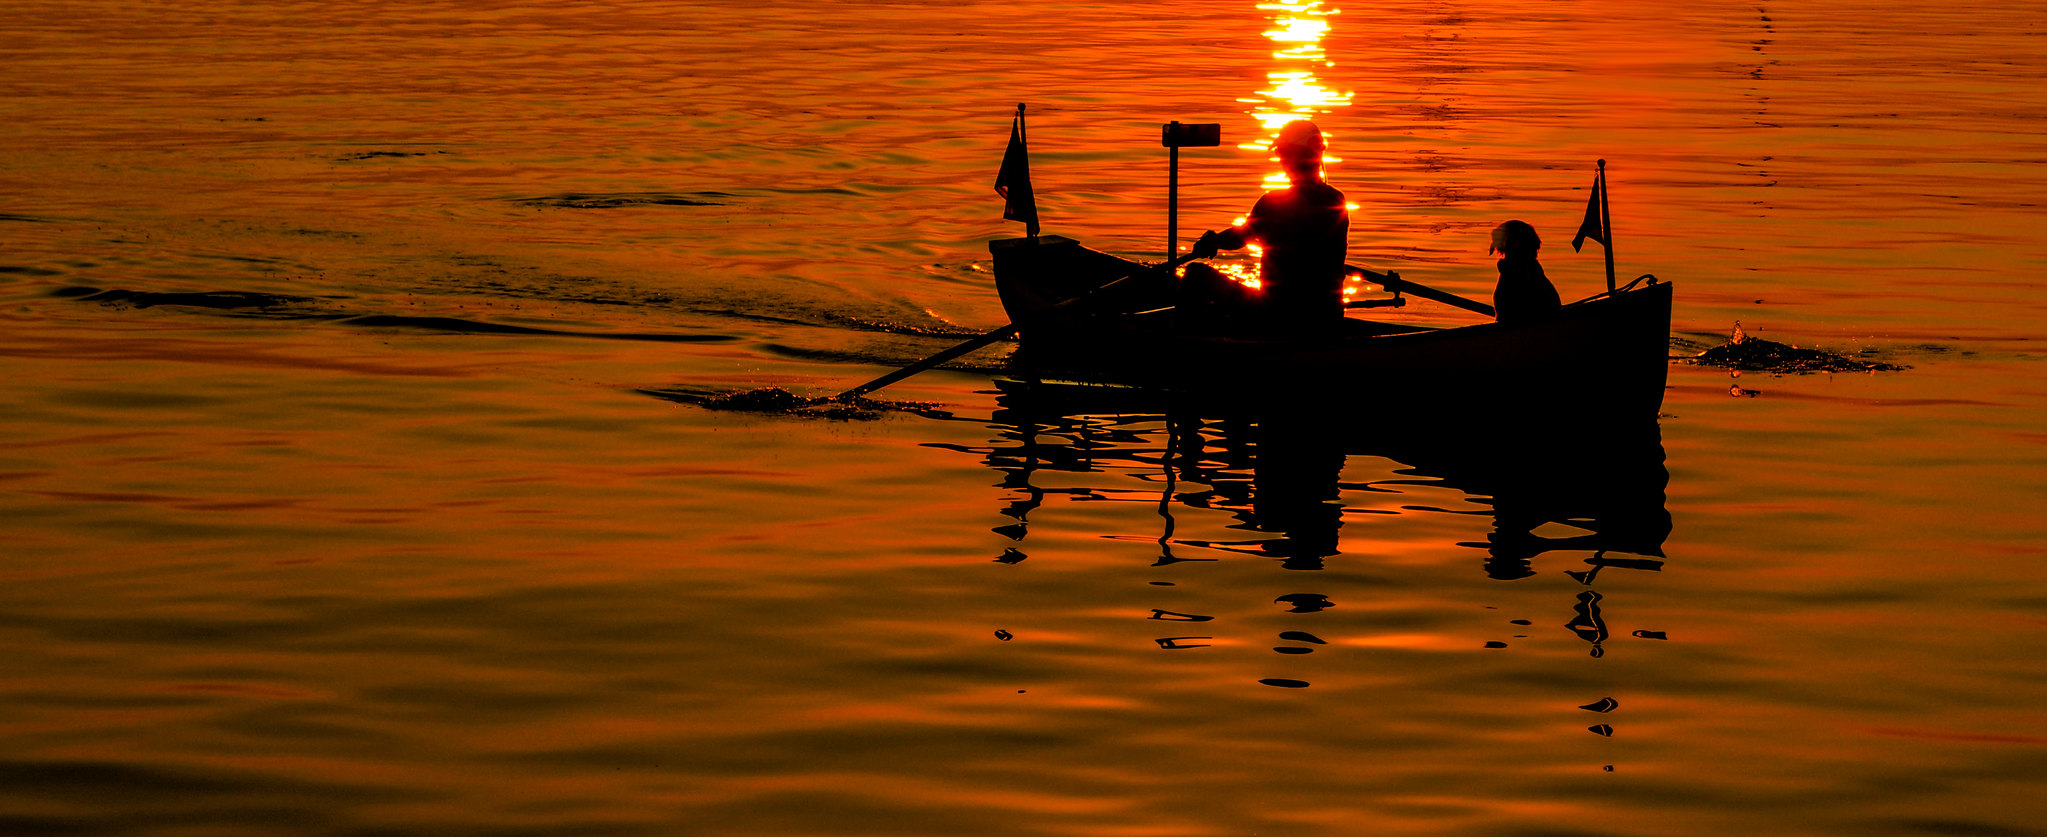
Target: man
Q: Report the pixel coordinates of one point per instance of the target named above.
(1302, 231)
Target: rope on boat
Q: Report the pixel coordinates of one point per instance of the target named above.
(1622, 289)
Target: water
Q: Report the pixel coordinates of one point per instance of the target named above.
(379, 533)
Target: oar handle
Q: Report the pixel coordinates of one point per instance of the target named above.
(1392, 282)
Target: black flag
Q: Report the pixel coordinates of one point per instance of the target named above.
(1013, 182)
(1594, 226)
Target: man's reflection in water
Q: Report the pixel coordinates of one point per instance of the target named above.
(1294, 487)
(1291, 489)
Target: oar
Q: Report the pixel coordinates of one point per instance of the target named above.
(998, 334)
(1392, 282)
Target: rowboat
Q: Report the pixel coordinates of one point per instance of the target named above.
(1607, 354)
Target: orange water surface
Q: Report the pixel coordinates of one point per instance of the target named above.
(334, 502)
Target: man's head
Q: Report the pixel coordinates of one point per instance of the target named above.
(1299, 147)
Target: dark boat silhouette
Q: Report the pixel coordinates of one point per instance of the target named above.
(1608, 353)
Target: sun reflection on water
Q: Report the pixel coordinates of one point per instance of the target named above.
(1298, 28)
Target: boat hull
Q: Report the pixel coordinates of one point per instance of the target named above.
(1609, 353)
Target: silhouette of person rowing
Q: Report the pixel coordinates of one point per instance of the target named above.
(1301, 232)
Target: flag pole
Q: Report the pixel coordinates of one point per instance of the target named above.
(1031, 226)
(1013, 181)
(1606, 226)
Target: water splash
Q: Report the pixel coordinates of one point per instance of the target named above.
(1749, 353)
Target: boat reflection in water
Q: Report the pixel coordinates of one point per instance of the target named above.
(1277, 468)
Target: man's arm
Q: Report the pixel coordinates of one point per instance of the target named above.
(1211, 241)
(1235, 237)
